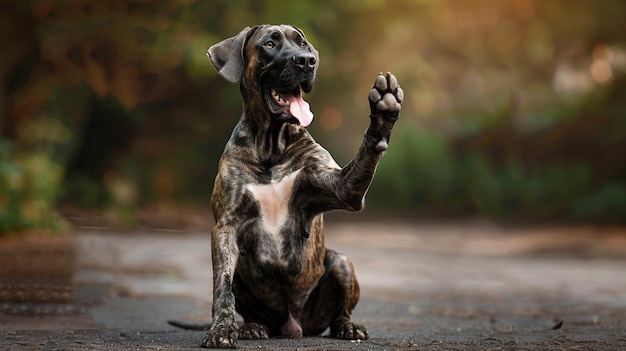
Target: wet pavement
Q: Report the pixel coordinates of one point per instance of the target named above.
(463, 285)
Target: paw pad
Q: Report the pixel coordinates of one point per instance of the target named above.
(386, 96)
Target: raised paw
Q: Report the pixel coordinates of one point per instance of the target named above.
(386, 95)
(221, 336)
(351, 331)
(385, 103)
(253, 331)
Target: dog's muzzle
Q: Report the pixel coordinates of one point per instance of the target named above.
(284, 94)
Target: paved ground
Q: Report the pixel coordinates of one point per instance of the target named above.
(464, 285)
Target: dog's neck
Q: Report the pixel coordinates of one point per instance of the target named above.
(265, 139)
(267, 135)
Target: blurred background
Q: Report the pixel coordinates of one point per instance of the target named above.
(514, 110)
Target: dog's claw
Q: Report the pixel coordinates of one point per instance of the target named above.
(220, 337)
(253, 331)
(352, 331)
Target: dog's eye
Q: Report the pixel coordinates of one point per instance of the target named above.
(269, 44)
(304, 44)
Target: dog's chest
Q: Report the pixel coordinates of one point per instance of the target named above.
(273, 199)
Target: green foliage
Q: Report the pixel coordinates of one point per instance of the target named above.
(29, 185)
(606, 203)
(417, 171)
(511, 190)
(11, 218)
(85, 191)
(138, 69)
(420, 173)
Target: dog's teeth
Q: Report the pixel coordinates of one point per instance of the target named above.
(279, 99)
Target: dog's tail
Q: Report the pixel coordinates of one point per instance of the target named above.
(190, 326)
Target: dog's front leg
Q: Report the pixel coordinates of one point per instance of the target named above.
(385, 100)
(223, 332)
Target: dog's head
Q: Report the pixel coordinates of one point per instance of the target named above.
(277, 62)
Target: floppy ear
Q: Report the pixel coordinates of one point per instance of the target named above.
(227, 56)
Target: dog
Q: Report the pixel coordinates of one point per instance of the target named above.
(273, 185)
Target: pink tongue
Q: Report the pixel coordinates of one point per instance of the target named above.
(300, 109)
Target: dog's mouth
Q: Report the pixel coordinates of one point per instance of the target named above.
(290, 104)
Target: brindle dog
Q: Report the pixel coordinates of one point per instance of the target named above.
(273, 185)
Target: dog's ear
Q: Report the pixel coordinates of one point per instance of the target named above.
(227, 56)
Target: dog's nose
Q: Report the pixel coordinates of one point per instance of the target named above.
(305, 60)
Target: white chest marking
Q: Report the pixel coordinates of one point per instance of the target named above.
(274, 199)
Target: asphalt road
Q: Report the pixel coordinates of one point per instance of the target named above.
(465, 285)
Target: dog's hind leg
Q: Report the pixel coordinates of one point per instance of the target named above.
(260, 322)
(332, 301)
